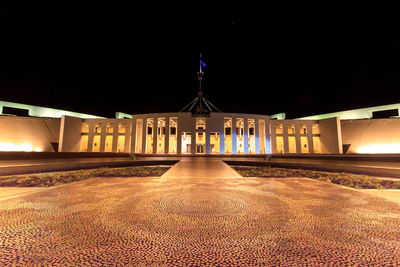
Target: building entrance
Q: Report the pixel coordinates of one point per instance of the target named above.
(214, 143)
(186, 143)
(200, 143)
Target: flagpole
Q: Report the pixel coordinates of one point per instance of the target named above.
(200, 63)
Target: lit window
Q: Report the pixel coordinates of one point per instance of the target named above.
(252, 125)
(110, 127)
(291, 128)
(97, 128)
(239, 127)
(200, 123)
(303, 129)
(315, 128)
(121, 127)
(278, 128)
(85, 127)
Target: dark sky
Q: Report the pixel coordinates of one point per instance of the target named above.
(101, 57)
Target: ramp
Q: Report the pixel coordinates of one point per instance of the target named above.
(201, 168)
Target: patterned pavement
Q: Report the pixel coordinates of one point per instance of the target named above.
(205, 221)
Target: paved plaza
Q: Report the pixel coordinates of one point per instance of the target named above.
(199, 221)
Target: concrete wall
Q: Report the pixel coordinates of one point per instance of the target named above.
(331, 136)
(372, 136)
(70, 134)
(28, 134)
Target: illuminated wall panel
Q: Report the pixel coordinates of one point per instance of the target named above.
(317, 144)
(96, 143)
(121, 144)
(292, 144)
(84, 143)
(279, 145)
(109, 143)
(304, 144)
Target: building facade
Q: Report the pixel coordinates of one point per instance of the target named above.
(182, 133)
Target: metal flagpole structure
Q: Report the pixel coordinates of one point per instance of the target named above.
(200, 106)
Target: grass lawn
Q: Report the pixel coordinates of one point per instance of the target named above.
(57, 178)
(346, 179)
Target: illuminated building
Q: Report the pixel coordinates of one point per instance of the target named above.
(200, 128)
(207, 133)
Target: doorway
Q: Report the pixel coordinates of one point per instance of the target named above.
(186, 143)
(200, 143)
(214, 143)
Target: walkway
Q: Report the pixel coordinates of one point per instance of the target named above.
(193, 222)
(201, 168)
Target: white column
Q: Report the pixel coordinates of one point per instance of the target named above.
(166, 149)
(155, 139)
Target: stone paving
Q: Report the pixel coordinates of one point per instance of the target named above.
(205, 221)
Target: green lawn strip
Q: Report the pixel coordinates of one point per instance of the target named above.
(346, 179)
(57, 178)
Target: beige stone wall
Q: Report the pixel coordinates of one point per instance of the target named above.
(371, 136)
(70, 134)
(331, 136)
(28, 133)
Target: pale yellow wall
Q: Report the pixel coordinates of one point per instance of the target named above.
(28, 134)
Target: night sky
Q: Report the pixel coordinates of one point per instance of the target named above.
(101, 57)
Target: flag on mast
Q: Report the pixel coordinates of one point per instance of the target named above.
(202, 64)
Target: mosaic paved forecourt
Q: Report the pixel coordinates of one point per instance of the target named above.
(226, 220)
